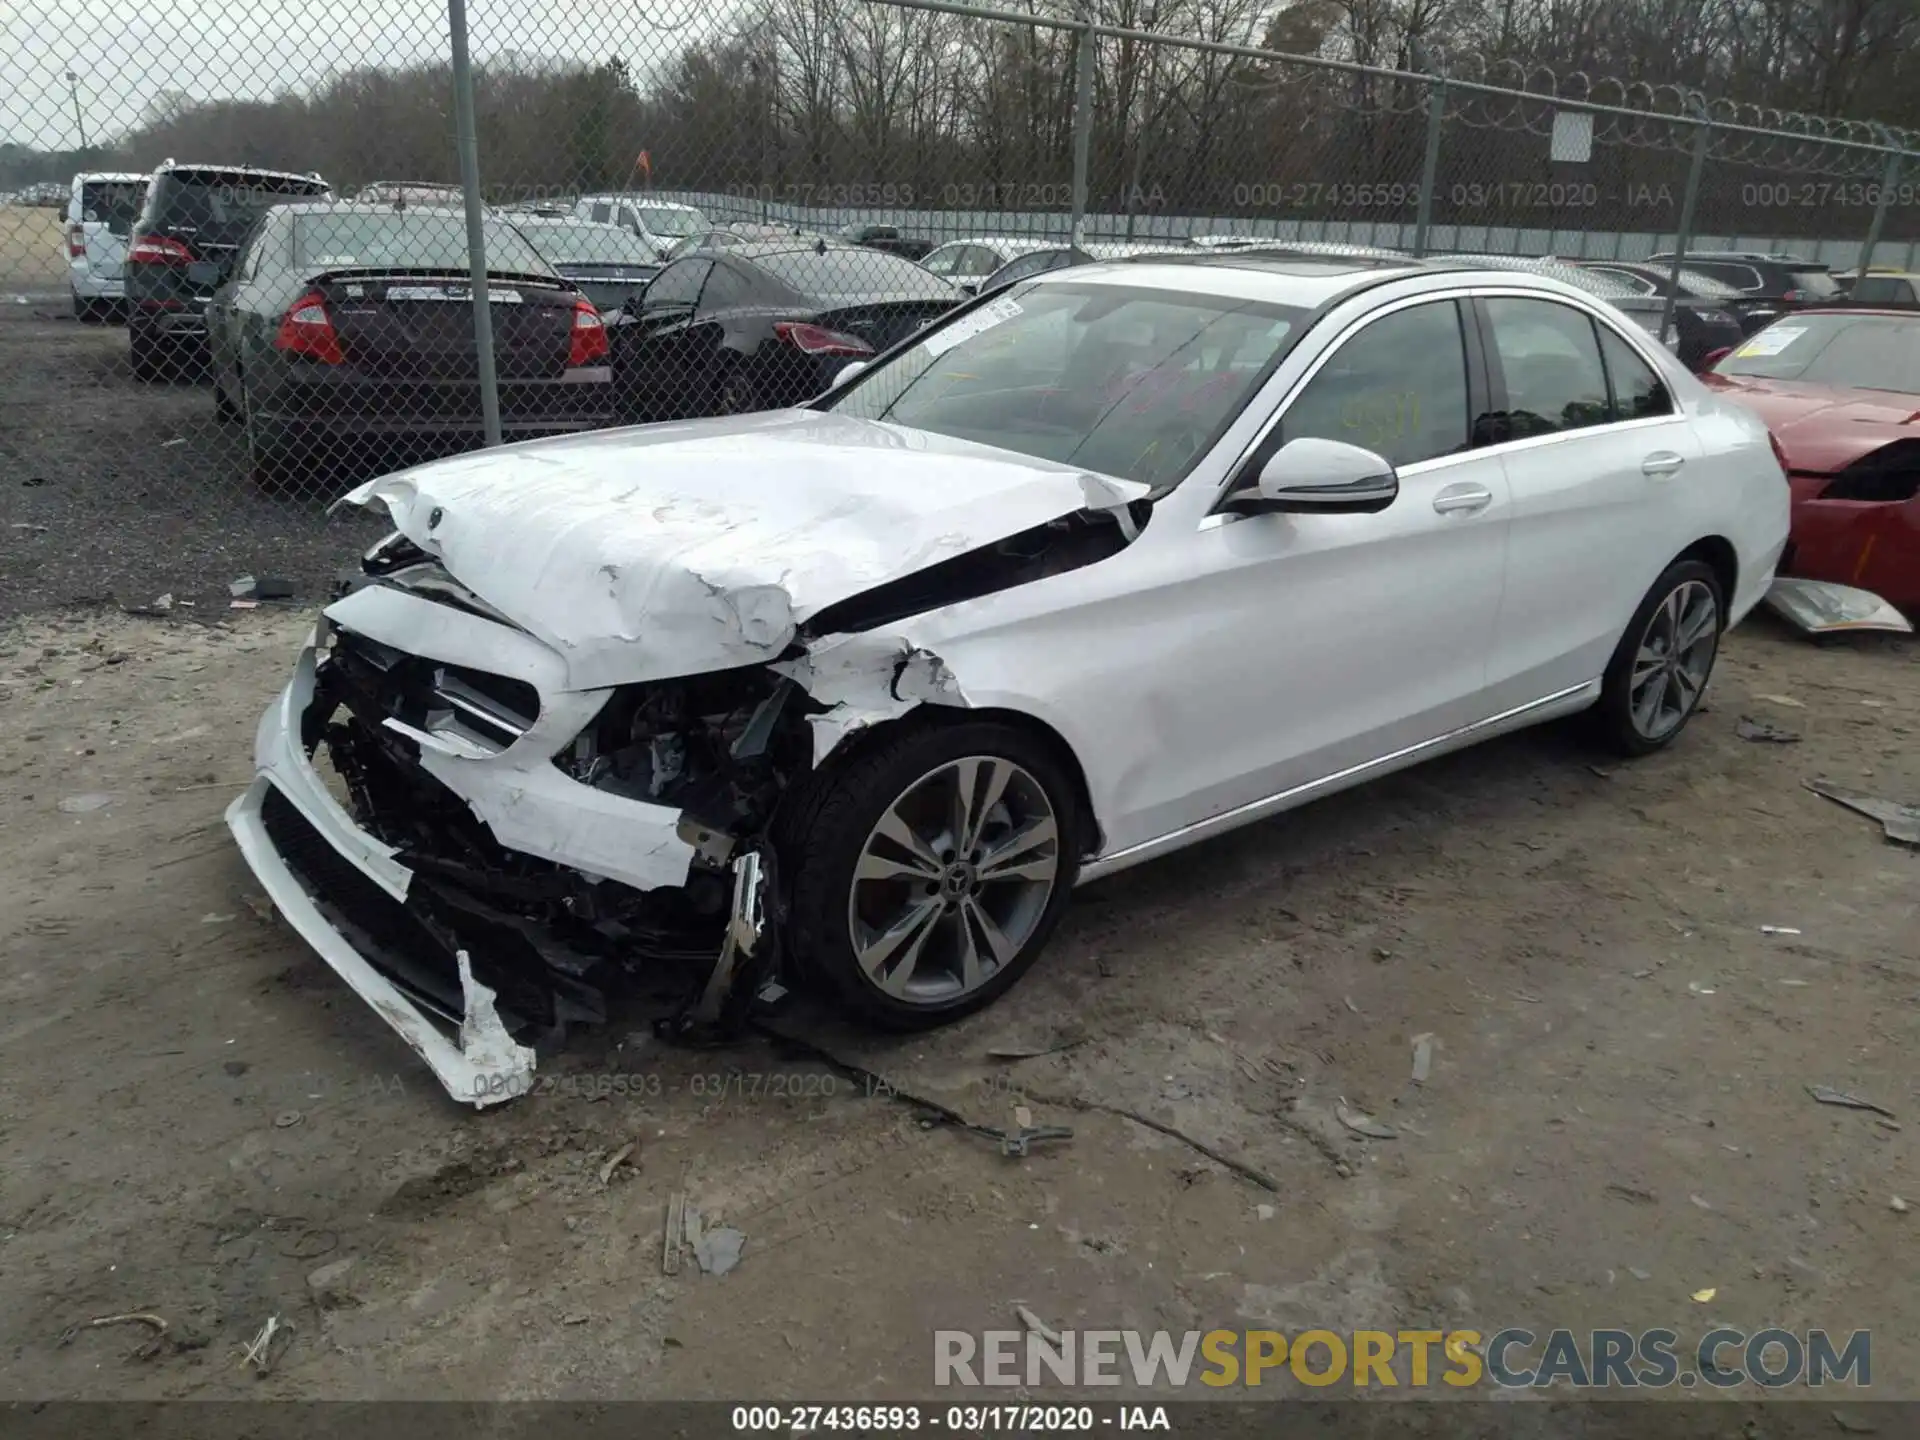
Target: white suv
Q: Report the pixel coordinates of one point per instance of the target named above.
(101, 209)
(662, 224)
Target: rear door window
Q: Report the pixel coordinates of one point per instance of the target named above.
(678, 284)
(1814, 284)
(725, 288)
(1742, 277)
(1638, 392)
(1551, 363)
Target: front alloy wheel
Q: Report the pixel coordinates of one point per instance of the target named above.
(929, 865)
(953, 880)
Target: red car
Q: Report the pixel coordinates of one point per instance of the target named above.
(1840, 389)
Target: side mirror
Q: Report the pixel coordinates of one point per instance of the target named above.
(1311, 476)
(849, 370)
(203, 272)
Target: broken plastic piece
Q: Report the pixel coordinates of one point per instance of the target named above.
(503, 1064)
(1901, 822)
(1818, 607)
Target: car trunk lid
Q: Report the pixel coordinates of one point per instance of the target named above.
(419, 323)
(887, 320)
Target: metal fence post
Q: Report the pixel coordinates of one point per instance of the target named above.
(1430, 166)
(1702, 134)
(1082, 124)
(1887, 184)
(468, 144)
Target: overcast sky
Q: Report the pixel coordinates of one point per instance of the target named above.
(128, 52)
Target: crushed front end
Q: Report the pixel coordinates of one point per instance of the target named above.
(487, 856)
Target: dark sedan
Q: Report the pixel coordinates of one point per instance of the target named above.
(1706, 312)
(355, 323)
(760, 326)
(609, 264)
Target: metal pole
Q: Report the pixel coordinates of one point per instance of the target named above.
(1430, 166)
(79, 122)
(468, 144)
(1082, 130)
(1887, 184)
(1702, 133)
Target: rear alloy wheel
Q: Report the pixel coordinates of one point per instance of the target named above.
(738, 394)
(929, 871)
(1664, 661)
(145, 355)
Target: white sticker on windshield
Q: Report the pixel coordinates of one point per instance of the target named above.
(980, 321)
(1771, 341)
(332, 260)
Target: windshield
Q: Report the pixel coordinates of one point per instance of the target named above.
(589, 245)
(1866, 352)
(408, 239)
(672, 220)
(836, 274)
(1135, 383)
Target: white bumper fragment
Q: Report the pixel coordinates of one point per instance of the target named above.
(530, 804)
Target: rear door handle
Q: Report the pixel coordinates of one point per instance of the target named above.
(1662, 463)
(1464, 498)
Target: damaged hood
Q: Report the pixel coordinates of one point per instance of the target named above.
(677, 549)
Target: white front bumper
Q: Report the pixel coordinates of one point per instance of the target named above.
(528, 803)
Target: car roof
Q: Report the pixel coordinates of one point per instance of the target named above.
(1876, 273)
(1306, 281)
(322, 206)
(168, 166)
(127, 176)
(637, 197)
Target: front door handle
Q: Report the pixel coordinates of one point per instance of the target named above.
(1462, 499)
(1661, 464)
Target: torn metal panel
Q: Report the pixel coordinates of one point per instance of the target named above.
(1817, 607)
(865, 680)
(680, 548)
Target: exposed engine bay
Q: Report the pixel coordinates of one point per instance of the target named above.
(724, 750)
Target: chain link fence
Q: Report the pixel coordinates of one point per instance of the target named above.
(251, 258)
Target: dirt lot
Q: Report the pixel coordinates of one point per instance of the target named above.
(113, 491)
(198, 1116)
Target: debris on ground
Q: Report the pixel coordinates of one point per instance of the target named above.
(84, 804)
(287, 1119)
(1032, 1052)
(1818, 607)
(1698, 1203)
(1898, 1206)
(1632, 1193)
(1363, 1124)
(243, 604)
(1901, 822)
(716, 1251)
(614, 1161)
(1701, 1297)
(150, 1346)
(1778, 930)
(266, 587)
(1422, 1058)
(1038, 1326)
(1694, 987)
(675, 1233)
(176, 440)
(1786, 700)
(1637, 1273)
(328, 1285)
(1265, 1212)
(1852, 1425)
(262, 908)
(1827, 1095)
(259, 1351)
(1761, 731)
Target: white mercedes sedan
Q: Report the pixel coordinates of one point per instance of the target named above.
(1085, 572)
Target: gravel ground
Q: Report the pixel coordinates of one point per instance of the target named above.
(114, 492)
(199, 1119)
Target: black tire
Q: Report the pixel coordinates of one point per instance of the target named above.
(266, 456)
(826, 824)
(1617, 722)
(225, 412)
(739, 394)
(145, 355)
